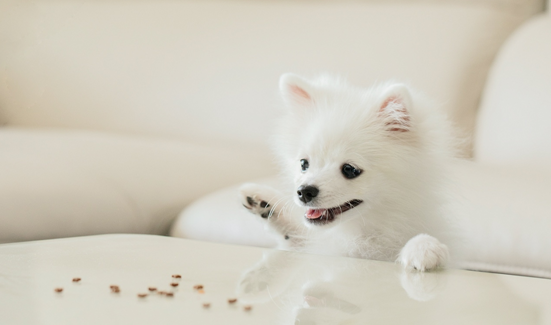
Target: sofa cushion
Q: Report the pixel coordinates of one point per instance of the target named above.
(176, 68)
(501, 213)
(513, 124)
(221, 217)
(58, 183)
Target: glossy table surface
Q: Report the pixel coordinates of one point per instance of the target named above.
(281, 287)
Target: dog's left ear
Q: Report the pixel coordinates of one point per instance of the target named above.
(394, 108)
(295, 90)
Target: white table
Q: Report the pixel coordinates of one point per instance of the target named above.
(281, 287)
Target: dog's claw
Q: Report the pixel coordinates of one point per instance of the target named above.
(251, 201)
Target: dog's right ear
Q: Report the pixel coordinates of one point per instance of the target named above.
(295, 90)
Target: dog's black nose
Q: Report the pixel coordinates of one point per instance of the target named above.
(307, 193)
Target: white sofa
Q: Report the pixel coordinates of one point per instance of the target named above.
(502, 196)
(118, 114)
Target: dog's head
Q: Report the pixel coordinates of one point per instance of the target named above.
(347, 148)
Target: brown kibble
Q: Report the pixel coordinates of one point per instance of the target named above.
(152, 289)
(169, 294)
(176, 276)
(198, 287)
(174, 284)
(113, 286)
(58, 290)
(206, 305)
(232, 300)
(247, 308)
(115, 289)
(142, 295)
(76, 279)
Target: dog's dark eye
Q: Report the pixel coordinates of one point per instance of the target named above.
(350, 171)
(304, 164)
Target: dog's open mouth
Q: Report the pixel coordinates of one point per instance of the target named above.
(324, 216)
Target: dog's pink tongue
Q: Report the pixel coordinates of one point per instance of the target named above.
(314, 214)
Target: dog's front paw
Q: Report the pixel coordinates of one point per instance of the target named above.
(424, 253)
(258, 199)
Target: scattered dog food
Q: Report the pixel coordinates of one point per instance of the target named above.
(199, 287)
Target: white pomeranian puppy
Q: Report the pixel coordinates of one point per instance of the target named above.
(367, 172)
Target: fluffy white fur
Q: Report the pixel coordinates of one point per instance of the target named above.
(400, 144)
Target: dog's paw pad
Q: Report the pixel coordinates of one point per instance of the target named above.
(256, 198)
(250, 201)
(424, 253)
(262, 208)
